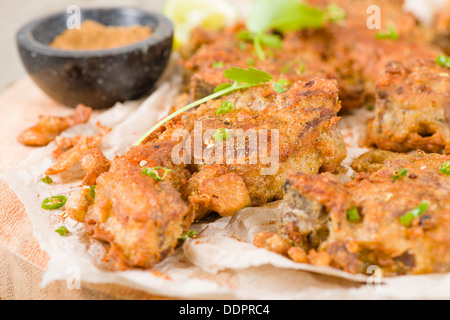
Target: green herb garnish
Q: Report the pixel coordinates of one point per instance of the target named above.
(221, 134)
(62, 231)
(92, 191)
(280, 85)
(218, 64)
(189, 234)
(400, 173)
(334, 13)
(443, 61)
(408, 217)
(242, 78)
(445, 168)
(353, 214)
(54, 202)
(225, 107)
(280, 15)
(47, 180)
(154, 172)
(250, 62)
(390, 34)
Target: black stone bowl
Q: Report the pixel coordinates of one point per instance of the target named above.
(96, 78)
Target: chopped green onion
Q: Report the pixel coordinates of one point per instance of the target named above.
(353, 214)
(54, 202)
(390, 34)
(153, 172)
(443, 61)
(280, 85)
(47, 180)
(221, 134)
(225, 107)
(62, 231)
(218, 64)
(334, 13)
(400, 173)
(189, 234)
(92, 191)
(409, 216)
(445, 168)
(251, 62)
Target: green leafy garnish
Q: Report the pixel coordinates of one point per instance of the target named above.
(54, 202)
(221, 134)
(280, 85)
(47, 180)
(218, 64)
(334, 13)
(390, 34)
(445, 168)
(278, 15)
(92, 191)
(400, 173)
(62, 231)
(251, 62)
(189, 234)
(154, 172)
(242, 79)
(443, 61)
(225, 107)
(409, 216)
(353, 214)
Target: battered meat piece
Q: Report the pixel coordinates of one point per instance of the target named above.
(49, 127)
(141, 218)
(319, 217)
(300, 125)
(138, 216)
(412, 108)
(94, 163)
(373, 160)
(347, 51)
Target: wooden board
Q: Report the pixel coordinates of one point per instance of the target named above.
(22, 262)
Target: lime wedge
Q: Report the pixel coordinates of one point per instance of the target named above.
(189, 14)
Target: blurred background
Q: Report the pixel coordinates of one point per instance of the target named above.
(15, 13)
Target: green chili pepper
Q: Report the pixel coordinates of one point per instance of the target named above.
(153, 172)
(54, 202)
(62, 231)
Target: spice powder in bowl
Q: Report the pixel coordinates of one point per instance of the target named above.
(93, 35)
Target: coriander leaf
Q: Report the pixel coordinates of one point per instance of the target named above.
(271, 40)
(250, 76)
(225, 107)
(222, 86)
(294, 15)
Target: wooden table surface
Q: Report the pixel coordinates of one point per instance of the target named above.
(22, 262)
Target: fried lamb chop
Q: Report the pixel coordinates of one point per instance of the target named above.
(396, 218)
(141, 215)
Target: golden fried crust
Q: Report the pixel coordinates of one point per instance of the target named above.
(215, 188)
(49, 127)
(373, 160)
(412, 108)
(303, 121)
(378, 237)
(139, 217)
(94, 163)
